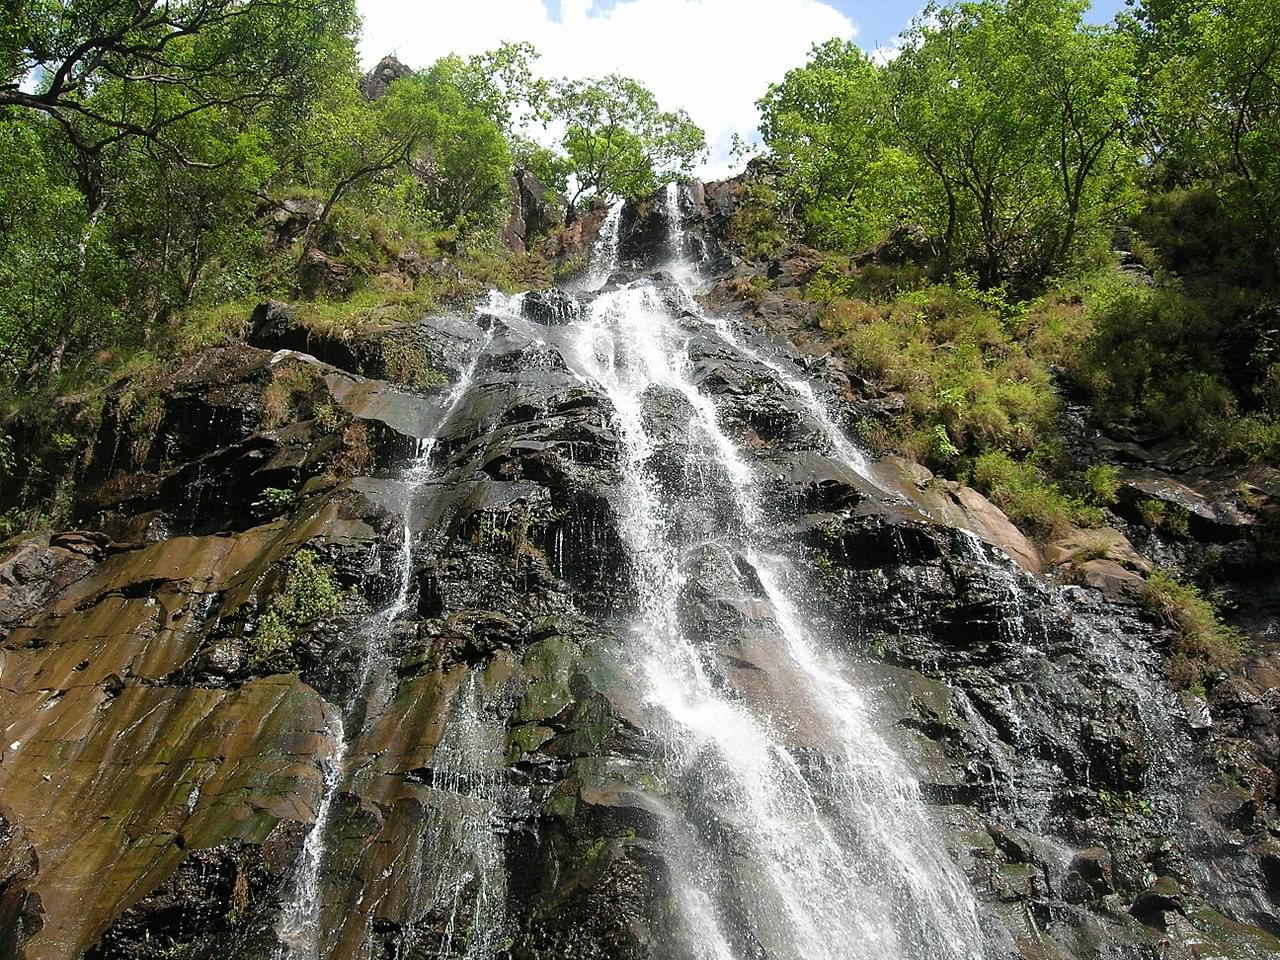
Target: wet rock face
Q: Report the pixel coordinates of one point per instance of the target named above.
(177, 697)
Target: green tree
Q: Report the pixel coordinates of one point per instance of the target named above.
(108, 72)
(426, 124)
(1001, 128)
(1018, 110)
(165, 115)
(618, 140)
(838, 168)
(1213, 109)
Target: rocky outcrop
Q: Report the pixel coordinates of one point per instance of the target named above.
(377, 81)
(463, 709)
(536, 212)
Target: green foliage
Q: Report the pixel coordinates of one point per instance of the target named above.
(309, 593)
(1159, 515)
(1204, 645)
(1102, 483)
(8, 458)
(618, 141)
(755, 224)
(1121, 802)
(1154, 354)
(824, 126)
(1211, 103)
(273, 501)
(1026, 493)
(1000, 128)
(960, 367)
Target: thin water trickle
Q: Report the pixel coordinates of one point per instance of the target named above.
(300, 930)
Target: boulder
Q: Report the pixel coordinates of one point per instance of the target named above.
(553, 308)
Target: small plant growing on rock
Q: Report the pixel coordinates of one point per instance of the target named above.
(408, 363)
(1204, 644)
(143, 426)
(1153, 513)
(328, 417)
(273, 501)
(1121, 802)
(283, 397)
(1102, 484)
(8, 459)
(1159, 515)
(309, 594)
(357, 452)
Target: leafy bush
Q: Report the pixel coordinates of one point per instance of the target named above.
(309, 593)
(1204, 645)
(957, 356)
(1028, 496)
(1102, 483)
(756, 224)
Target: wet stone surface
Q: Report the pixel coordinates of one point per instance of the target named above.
(629, 659)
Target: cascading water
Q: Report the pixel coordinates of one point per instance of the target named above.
(796, 831)
(845, 452)
(458, 868)
(300, 930)
(604, 255)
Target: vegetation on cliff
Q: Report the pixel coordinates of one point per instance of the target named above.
(158, 160)
(1093, 227)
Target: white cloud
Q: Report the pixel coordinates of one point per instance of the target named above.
(714, 58)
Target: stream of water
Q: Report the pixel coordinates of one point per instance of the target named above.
(809, 838)
(300, 929)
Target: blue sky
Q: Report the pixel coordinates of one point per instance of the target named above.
(879, 23)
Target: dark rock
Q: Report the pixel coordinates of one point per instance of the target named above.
(1164, 896)
(905, 244)
(1090, 874)
(322, 275)
(377, 81)
(535, 211)
(551, 307)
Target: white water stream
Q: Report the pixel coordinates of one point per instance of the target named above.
(809, 838)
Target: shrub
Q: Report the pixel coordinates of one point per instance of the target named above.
(756, 223)
(309, 593)
(1204, 645)
(273, 500)
(287, 393)
(970, 385)
(1028, 496)
(1102, 484)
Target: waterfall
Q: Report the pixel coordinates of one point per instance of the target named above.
(604, 254)
(300, 930)
(796, 830)
(845, 452)
(460, 847)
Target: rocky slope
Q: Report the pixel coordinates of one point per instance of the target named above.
(346, 668)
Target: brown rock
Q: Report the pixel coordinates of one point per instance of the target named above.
(1115, 582)
(1080, 546)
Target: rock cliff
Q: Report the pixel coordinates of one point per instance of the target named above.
(607, 643)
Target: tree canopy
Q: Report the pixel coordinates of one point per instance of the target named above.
(1001, 127)
(617, 139)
